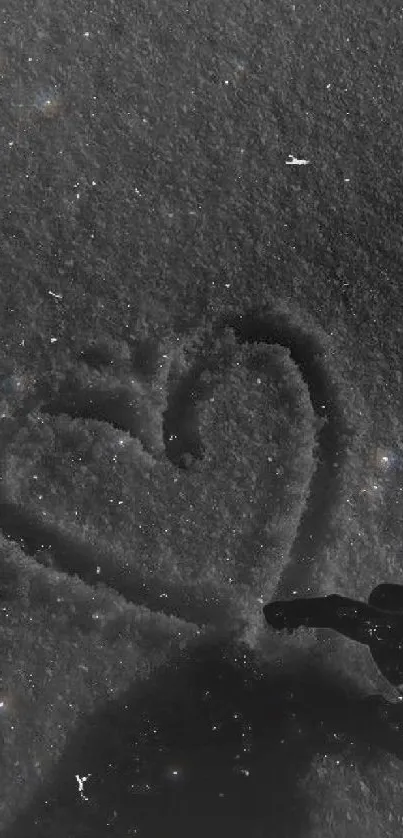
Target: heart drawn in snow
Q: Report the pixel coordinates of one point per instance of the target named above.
(180, 485)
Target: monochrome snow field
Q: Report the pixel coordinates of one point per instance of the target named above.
(200, 412)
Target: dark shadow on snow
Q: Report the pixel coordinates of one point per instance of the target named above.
(209, 746)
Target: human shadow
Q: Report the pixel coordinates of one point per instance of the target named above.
(212, 742)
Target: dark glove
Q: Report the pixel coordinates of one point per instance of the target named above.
(283, 615)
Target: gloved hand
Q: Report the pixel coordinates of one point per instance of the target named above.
(283, 615)
(331, 611)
